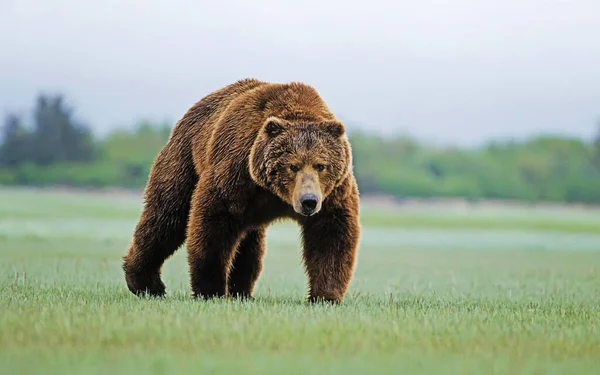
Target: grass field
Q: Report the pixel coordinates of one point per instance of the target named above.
(437, 291)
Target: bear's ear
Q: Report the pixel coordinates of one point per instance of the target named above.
(274, 127)
(335, 128)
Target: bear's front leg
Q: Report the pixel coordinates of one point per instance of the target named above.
(330, 241)
(213, 234)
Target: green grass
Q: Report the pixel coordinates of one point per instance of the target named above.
(436, 291)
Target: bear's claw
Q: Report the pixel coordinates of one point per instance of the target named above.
(147, 285)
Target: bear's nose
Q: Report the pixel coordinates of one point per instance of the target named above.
(309, 203)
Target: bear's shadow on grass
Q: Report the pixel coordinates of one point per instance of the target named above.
(357, 299)
(258, 300)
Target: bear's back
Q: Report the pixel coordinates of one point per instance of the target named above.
(224, 124)
(198, 124)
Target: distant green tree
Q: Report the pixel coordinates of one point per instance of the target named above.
(57, 137)
(16, 142)
(597, 147)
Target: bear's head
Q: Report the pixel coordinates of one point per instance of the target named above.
(301, 161)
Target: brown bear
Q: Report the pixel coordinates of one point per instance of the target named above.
(242, 157)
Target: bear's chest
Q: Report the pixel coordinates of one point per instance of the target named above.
(259, 208)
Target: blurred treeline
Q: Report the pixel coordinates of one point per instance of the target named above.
(55, 149)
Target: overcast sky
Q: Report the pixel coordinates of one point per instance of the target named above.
(461, 71)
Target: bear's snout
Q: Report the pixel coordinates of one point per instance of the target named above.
(307, 196)
(308, 203)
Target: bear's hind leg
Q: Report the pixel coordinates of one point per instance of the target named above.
(161, 229)
(247, 264)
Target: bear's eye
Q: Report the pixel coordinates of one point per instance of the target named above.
(319, 167)
(294, 168)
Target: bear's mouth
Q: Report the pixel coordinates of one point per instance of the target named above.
(306, 212)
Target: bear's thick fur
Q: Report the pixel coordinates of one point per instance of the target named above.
(239, 159)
